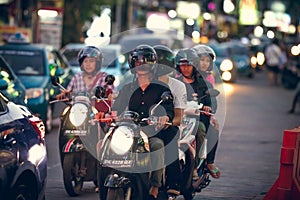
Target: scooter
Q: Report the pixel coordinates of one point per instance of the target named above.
(124, 158)
(187, 149)
(78, 136)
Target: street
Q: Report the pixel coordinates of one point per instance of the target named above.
(249, 147)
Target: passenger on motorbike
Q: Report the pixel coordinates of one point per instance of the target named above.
(207, 58)
(165, 67)
(186, 62)
(206, 62)
(140, 96)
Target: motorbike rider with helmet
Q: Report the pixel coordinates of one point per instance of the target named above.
(207, 58)
(186, 63)
(90, 59)
(140, 96)
(165, 66)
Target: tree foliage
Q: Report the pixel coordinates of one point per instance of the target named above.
(76, 14)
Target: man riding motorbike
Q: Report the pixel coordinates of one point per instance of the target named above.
(140, 96)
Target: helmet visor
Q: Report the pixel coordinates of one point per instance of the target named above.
(184, 63)
(141, 63)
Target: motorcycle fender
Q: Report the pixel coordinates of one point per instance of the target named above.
(69, 146)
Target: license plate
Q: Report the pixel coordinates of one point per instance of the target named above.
(76, 132)
(118, 163)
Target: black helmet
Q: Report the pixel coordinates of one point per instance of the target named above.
(165, 60)
(91, 52)
(203, 50)
(188, 56)
(141, 55)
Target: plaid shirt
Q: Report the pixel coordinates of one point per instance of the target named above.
(77, 83)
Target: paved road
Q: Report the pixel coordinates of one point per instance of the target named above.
(249, 149)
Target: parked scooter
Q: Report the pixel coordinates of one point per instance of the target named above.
(187, 149)
(124, 158)
(78, 136)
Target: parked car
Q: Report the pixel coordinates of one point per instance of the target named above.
(34, 64)
(23, 155)
(113, 61)
(241, 56)
(15, 90)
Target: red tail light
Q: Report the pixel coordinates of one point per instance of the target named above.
(38, 125)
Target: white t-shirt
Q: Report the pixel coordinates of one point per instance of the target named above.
(178, 91)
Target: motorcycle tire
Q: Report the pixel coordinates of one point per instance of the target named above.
(139, 187)
(187, 187)
(73, 184)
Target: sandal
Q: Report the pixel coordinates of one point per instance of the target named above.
(195, 175)
(213, 170)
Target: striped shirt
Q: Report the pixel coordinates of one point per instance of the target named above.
(77, 83)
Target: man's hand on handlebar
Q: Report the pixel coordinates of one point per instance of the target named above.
(163, 122)
(66, 94)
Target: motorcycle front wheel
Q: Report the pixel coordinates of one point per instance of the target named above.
(72, 181)
(115, 194)
(139, 187)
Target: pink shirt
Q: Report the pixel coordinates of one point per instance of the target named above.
(210, 78)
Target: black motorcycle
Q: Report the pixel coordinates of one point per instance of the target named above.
(124, 158)
(78, 137)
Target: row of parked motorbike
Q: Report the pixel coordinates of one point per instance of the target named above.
(118, 160)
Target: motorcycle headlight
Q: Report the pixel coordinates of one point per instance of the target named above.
(78, 114)
(122, 140)
(226, 65)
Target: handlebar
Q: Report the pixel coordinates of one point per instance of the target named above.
(153, 120)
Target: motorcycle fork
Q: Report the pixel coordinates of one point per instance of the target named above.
(82, 171)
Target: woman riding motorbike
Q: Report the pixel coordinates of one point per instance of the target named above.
(90, 59)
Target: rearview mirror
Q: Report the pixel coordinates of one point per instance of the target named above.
(100, 92)
(110, 79)
(166, 96)
(55, 80)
